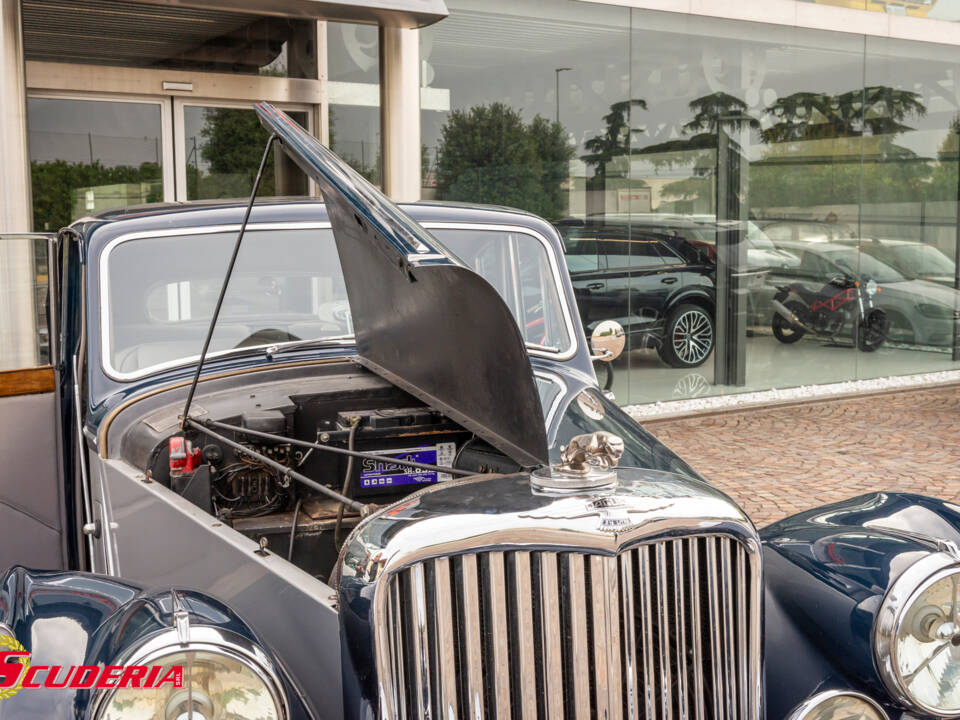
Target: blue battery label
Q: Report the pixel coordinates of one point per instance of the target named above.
(383, 473)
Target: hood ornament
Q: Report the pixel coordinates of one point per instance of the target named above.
(587, 463)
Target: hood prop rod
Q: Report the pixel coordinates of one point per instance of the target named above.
(226, 280)
(205, 424)
(364, 510)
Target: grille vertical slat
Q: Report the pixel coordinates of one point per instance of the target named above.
(648, 690)
(604, 581)
(525, 640)
(396, 648)
(473, 646)
(729, 630)
(628, 616)
(665, 634)
(716, 652)
(579, 640)
(551, 637)
(496, 587)
(742, 657)
(680, 623)
(419, 643)
(446, 649)
(696, 629)
(663, 631)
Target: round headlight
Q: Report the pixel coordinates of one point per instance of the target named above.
(871, 287)
(220, 682)
(838, 705)
(917, 636)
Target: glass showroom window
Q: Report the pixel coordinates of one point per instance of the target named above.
(783, 177)
(353, 59)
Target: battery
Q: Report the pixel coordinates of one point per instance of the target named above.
(417, 434)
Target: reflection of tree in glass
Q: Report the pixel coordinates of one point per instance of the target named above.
(609, 152)
(699, 149)
(839, 149)
(233, 141)
(55, 182)
(488, 154)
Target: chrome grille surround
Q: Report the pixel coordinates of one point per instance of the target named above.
(488, 600)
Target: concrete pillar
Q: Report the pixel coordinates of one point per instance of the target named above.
(400, 112)
(18, 331)
(15, 214)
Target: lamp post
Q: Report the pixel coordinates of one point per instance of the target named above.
(556, 75)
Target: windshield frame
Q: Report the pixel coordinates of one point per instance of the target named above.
(103, 287)
(548, 247)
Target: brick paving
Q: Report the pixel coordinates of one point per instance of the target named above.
(780, 460)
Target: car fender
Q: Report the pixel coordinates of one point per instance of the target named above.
(827, 571)
(81, 619)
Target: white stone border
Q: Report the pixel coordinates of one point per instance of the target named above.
(814, 16)
(676, 408)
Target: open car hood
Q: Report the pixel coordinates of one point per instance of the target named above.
(423, 321)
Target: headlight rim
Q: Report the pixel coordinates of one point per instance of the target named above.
(802, 710)
(898, 599)
(203, 638)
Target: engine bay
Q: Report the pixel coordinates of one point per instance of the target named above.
(249, 478)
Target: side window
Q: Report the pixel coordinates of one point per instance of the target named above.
(779, 233)
(634, 254)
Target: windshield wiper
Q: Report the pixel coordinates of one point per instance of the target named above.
(336, 341)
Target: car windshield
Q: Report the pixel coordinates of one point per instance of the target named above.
(923, 260)
(287, 285)
(858, 264)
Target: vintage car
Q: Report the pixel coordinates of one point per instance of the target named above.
(387, 486)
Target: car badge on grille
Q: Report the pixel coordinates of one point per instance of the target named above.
(588, 463)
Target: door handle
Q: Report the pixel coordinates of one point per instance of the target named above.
(668, 280)
(595, 286)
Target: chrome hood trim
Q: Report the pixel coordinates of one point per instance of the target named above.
(503, 512)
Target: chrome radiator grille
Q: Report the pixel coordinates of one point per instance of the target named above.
(664, 631)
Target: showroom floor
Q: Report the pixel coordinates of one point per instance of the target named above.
(641, 377)
(781, 460)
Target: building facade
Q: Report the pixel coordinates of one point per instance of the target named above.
(788, 141)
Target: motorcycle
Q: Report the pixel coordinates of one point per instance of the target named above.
(843, 302)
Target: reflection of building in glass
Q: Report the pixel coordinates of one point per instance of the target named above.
(740, 143)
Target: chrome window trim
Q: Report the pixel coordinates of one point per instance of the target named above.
(555, 405)
(533, 349)
(886, 627)
(801, 711)
(104, 290)
(202, 639)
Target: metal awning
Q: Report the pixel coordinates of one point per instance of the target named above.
(398, 13)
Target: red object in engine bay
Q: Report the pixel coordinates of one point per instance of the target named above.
(184, 458)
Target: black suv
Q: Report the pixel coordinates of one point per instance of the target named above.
(651, 278)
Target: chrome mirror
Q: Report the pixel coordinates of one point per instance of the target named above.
(607, 341)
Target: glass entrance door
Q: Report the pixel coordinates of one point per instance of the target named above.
(89, 154)
(218, 151)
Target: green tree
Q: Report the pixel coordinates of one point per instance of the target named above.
(488, 154)
(233, 141)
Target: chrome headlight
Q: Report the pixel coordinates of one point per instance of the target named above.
(871, 287)
(838, 705)
(917, 636)
(224, 677)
